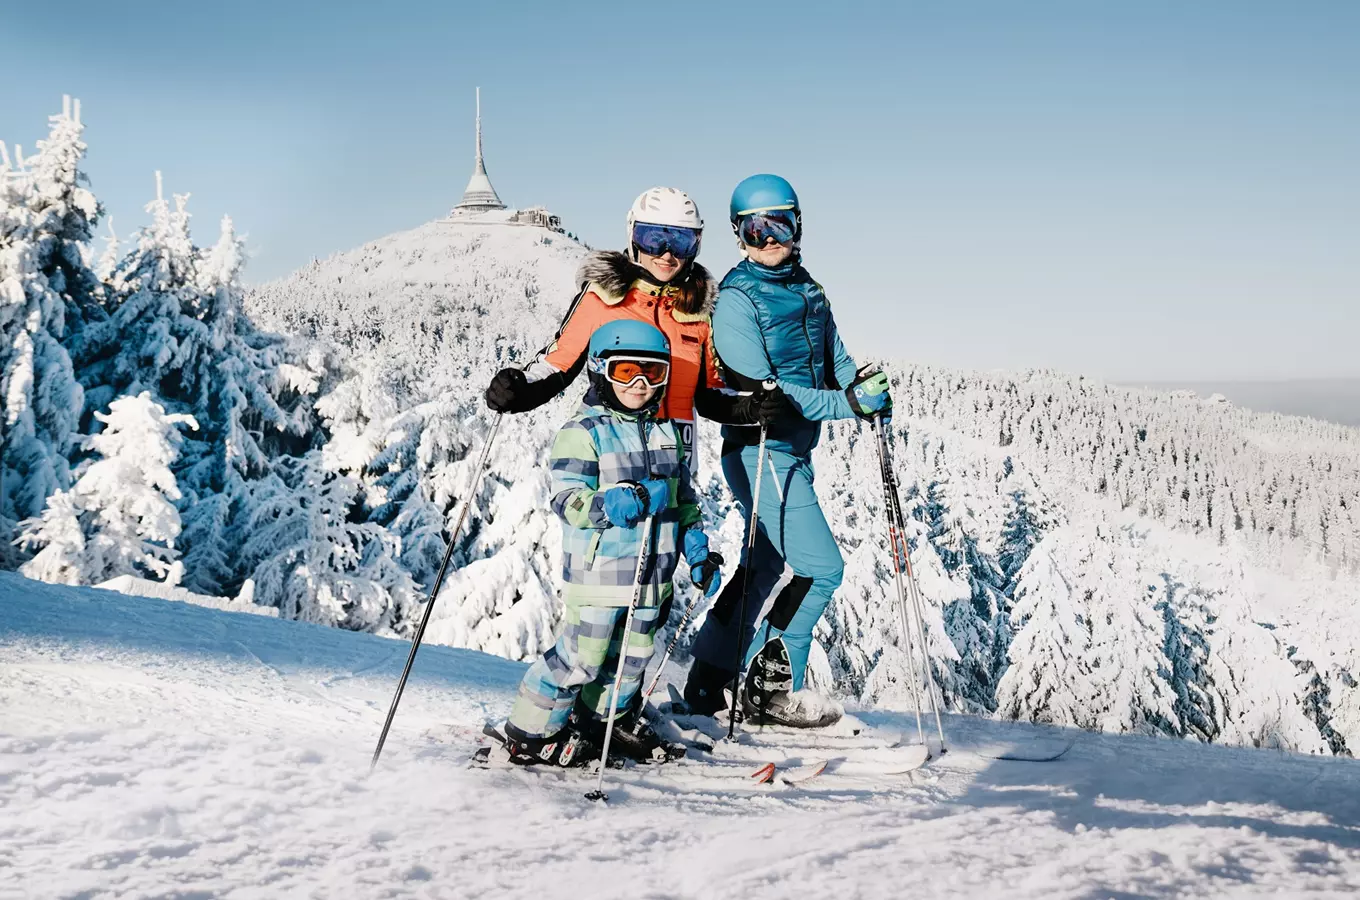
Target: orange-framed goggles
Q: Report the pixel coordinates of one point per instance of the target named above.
(624, 370)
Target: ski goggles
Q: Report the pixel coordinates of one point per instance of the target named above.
(658, 240)
(624, 370)
(754, 229)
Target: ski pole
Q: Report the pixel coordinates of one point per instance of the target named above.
(893, 537)
(438, 580)
(774, 476)
(598, 793)
(753, 521)
(675, 639)
(918, 604)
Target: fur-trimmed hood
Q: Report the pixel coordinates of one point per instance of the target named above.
(612, 273)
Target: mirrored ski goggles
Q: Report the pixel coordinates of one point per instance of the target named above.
(657, 240)
(754, 229)
(624, 370)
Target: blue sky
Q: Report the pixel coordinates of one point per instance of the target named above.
(1150, 190)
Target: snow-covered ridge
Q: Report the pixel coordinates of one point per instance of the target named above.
(445, 292)
(1092, 555)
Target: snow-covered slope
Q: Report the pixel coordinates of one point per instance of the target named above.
(1113, 559)
(152, 748)
(448, 294)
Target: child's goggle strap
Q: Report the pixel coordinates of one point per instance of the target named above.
(625, 370)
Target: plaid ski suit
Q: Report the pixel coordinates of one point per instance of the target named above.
(595, 450)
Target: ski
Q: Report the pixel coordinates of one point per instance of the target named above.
(683, 769)
(1023, 750)
(803, 774)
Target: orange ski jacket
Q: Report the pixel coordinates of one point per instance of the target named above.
(613, 290)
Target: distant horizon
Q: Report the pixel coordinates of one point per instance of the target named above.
(1330, 399)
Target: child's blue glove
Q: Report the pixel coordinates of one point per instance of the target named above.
(629, 503)
(705, 568)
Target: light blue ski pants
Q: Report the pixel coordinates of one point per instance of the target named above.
(794, 529)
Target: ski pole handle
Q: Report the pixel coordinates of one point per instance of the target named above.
(712, 565)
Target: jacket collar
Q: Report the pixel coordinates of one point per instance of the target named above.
(786, 271)
(612, 276)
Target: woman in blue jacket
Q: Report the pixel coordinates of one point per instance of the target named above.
(772, 322)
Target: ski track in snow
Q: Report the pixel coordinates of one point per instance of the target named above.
(150, 748)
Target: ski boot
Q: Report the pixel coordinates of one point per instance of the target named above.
(569, 748)
(634, 738)
(769, 697)
(705, 690)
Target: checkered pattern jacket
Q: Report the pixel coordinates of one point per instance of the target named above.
(595, 450)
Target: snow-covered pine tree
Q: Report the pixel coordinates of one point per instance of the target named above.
(1019, 535)
(1128, 674)
(120, 517)
(177, 329)
(1316, 700)
(312, 562)
(384, 431)
(1200, 704)
(976, 622)
(1045, 681)
(46, 291)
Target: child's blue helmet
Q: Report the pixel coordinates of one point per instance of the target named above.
(631, 337)
(623, 351)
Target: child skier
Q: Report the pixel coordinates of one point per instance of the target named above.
(615, 466)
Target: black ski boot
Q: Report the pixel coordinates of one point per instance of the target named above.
(634, 738)
(769, 697)
(569, 748)
(704, 689)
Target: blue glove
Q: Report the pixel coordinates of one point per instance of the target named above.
(629, 503)
(704, 567)
(658, 494)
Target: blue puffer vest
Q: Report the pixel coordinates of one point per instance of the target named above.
(783, 315)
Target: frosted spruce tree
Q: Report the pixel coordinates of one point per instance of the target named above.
(385, 432)
(1045, 681)
(315, 564)
(1125, 668)
(120, 517)
(46, 292)
(176, 329)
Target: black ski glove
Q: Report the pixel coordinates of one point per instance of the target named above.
(505, 390)
(708, 568)
(768, 408)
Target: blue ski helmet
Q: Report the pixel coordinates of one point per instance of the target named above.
(624, 337)
(631, 337)
(761, 192)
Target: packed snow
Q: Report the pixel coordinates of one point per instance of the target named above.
(158, 749)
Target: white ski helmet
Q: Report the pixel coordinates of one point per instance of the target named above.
(663, 206)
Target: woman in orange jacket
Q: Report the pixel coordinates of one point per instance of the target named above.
(656, 280)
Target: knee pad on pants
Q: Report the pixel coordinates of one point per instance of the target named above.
(787, 603)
